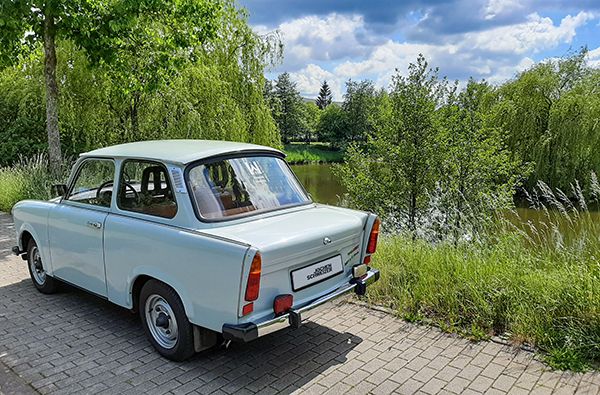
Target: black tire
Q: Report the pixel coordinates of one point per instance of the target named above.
(165, 322)
(41, 280)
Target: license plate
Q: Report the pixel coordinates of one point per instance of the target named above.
(317, 272)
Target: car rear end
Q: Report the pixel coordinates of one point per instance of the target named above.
(301, 260)
(302, 254)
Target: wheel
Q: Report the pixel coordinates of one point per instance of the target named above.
(164, 321)
(44, 283)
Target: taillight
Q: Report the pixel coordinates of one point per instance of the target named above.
(253, 286)
(249, 308)
(283, 303)
(372, 246)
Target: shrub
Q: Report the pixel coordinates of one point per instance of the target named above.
(29, 178)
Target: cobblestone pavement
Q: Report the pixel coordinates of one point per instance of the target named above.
(73, 342)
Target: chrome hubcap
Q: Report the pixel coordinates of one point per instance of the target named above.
(37, 270)
(161, 321)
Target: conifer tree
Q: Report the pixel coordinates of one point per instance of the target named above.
(325, 97)
(289, 116)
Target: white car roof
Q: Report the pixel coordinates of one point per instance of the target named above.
(177, 151)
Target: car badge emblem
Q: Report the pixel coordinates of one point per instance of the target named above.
(326, 240)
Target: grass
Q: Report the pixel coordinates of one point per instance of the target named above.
(27, 179)
(314, 153)
(536, 283)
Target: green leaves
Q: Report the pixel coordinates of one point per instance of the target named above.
(432, 165)
(125, 77)
(550, 114)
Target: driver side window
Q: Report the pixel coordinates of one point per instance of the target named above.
(94, 183)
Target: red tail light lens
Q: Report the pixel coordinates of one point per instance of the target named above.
(372, 246)
(283, 303)
(249, 308)
(253, 286)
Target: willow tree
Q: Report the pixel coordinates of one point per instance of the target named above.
(103, 29)
(218, 90)
(550, 116)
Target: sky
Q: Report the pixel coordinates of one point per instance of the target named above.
(339, 40)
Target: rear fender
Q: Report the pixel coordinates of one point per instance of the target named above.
(161, 276)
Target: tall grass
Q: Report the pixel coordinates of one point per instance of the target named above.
(534, 281)
(29, 178)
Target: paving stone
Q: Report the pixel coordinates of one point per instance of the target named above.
(433, 386)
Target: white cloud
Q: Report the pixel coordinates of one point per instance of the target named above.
(314, 38)
(337, 48)
(325, 29)
(594, 58)
(475, 52)
(384, 61)
(537, 33)
(497, 7)
(594, 54)
(506, 72)
(309, 81)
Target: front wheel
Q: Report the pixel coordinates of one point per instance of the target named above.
(165, 322)
(41, 280)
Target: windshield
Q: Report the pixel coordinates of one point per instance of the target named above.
(241, 185)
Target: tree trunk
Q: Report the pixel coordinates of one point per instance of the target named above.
(54, 151)
(135, 123)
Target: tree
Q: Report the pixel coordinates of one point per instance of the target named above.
(310, 119)
(476, 177)
(103, 30)
(550, 116)
(431, 164)
(331, 126)
(325, 97)
(289, 117)
(360, 101)
(215, 94)
(409, 141)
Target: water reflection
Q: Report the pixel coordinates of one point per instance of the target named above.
(324, 187)
(320, 182)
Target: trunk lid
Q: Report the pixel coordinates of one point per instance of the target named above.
(294, 240)
(298, 237)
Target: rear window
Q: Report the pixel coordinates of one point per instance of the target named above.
(237, 186)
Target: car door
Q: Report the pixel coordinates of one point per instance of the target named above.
(76, 227)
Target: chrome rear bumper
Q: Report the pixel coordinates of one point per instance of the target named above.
(294, 317)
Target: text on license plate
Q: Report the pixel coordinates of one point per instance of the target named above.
(317, 272)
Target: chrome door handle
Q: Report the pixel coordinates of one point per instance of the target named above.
(96, 225)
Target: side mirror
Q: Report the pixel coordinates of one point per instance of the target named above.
(58, 190)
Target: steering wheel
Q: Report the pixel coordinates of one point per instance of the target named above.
(111, 182)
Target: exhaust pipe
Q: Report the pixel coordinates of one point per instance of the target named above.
(225, 344)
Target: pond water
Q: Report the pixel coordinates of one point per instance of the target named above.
(320, 182)
(324, 188)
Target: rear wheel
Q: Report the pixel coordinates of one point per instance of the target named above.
(41, 280)
(164, 320)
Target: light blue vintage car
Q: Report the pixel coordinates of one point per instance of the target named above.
(211, 241)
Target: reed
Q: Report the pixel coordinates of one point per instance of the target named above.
(534, 282)
(29, 178)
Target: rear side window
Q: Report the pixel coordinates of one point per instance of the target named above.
(238, 186)
(144, 187)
